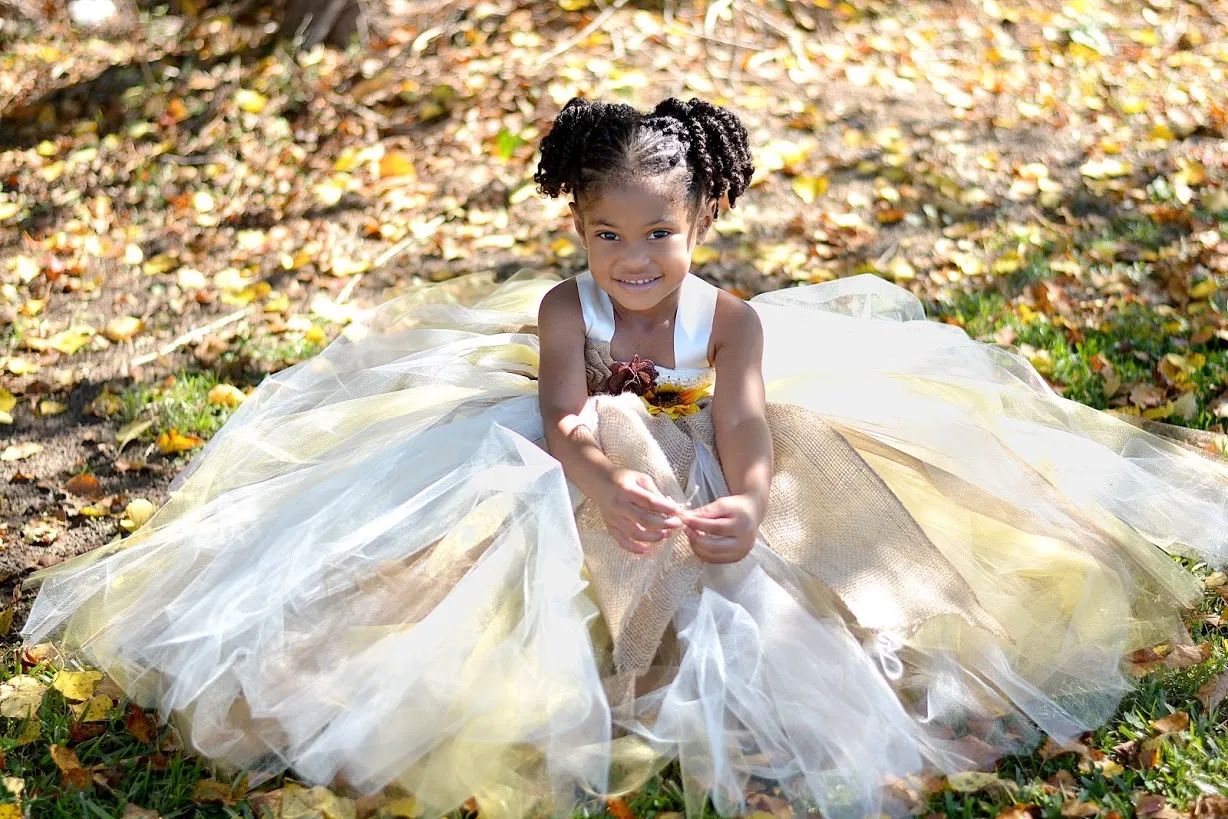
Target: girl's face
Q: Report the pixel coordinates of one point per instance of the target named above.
(639, 240)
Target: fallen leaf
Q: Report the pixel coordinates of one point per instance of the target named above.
(130, 432)
(319, 802)
(1146, 395)
(1212, 692)
(618, 808)
(211, 790)
(70, 767)
(1075, 808)
(21, 696)
(1149, 752)
(123, 328)
(138, 724)
(173, 441)
(138, 511)
(1173, 723)
(85, 485)
(76, 685)
(809, 188)
(1182, 656)
(226, 395)
(250, 101)
(7, 400)
(48, 407)
(17, 452)
(1210, 807)
(94, 709)
(131, 811)
(396, 163)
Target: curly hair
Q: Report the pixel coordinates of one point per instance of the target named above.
(596, 143)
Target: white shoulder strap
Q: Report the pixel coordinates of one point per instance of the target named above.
(693, 328)
(598, 311)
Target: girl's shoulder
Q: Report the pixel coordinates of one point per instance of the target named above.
(561, 302)
(734, 323)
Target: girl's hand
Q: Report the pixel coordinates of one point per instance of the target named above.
(723, 531)
(636, 512)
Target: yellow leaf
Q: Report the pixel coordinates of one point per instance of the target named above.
(173, 441)
(71, 340)
(319, 802)
(17, 452)
(808, 188)
(123, 328)
(971, 781)
(1204, 289)
(76, 685)
(703, 254)
(329, 193)
(51, 408)
(95, 709)
(226, 395)
(21, 696)
(130, 432)
(33, 730)
(138, 511)
(1104, 168)
(203, 201)
(7, 400)
(250, 101)
(6, 621)
(20, 366)
(404, 808)
(162, 263)
(563, 247)
(396, 163)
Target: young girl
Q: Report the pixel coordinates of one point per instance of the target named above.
(529, 542)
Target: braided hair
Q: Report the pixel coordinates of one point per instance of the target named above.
(596, 143)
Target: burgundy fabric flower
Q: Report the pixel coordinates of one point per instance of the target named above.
(637, 376)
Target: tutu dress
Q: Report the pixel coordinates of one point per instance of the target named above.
(375, 574)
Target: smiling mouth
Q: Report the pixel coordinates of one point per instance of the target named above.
(638, 284)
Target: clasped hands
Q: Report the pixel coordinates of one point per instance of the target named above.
(639, 516)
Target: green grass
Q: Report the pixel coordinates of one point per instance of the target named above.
(177, 402)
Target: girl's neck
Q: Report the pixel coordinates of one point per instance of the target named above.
(661, 314)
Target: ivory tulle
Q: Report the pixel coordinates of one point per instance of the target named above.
(373, 574)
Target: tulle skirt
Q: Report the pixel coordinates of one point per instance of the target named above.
(373, 575)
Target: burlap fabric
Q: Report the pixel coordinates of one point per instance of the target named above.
(829, 515)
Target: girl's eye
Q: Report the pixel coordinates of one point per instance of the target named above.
(661, 230)
(603, 234)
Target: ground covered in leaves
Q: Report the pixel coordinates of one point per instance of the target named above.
(188, 207)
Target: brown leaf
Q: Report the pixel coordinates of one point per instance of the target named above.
(1173, 723)
(1021, 812)
(1153, 806)
(1063, 780)
(1212, 692)
(138, 724)
(619, 808)
(1211, 807)
(82, 731)
(1181, 656)
(85, 485)
(131, 811)
(1075, 808)
(267, 804)
(211, 790)
(71, 772)
(1144, 661)
(1149, 752)
(1050, 748)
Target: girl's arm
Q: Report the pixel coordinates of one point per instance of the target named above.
(635, 511)
(724, 530)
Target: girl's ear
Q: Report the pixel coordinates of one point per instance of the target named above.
(578, 221)
(708, 215)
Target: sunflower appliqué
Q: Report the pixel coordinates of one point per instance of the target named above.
(639, 376)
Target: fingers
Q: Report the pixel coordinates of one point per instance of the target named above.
(627, 543)
(644, 493)
(728, 527)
